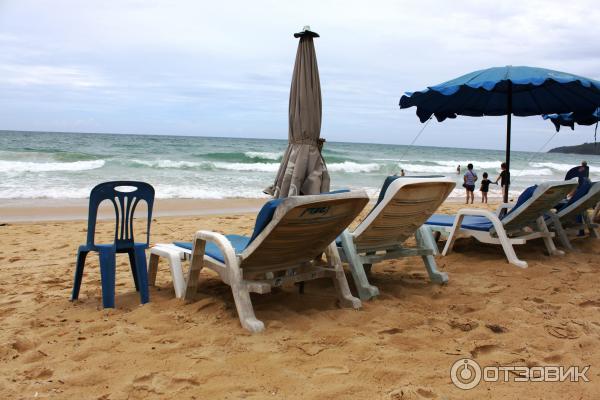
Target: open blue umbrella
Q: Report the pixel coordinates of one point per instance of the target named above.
(522, 91)
(570, 119)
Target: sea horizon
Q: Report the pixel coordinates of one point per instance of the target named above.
(66, 165)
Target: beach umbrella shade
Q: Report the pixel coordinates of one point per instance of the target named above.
(511, 90)
(570, 119)
(303, 170)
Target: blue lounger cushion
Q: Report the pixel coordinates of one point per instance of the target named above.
(238, 242)
(473, 222)
(581, 191)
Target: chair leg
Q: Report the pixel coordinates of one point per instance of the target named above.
(339, 280)
(425, 240)
(509, 251)
(142, 273)
(452, 235)
(590, 225)
(547, 236)
(152, 268)
(366, 291)
(241, 297)
(107, 274)
(81, 255)
(133, 269)
(560, 232)
(174, 259)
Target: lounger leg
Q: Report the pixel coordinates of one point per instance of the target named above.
(196, 264)
(590, 225)
(341, 284)
(560, 232)
(174, 260)
(78, 273)
(366, 291)
(243, 303)
(133, 269)
(426, 235)
(142, 274)
(452, 235)
(425, 240)
(509, 251)
(107, 274)
(152, 268)
(547, 236)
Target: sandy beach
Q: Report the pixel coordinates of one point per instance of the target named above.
(398, 346)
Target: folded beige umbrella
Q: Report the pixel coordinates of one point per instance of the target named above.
(303, 170)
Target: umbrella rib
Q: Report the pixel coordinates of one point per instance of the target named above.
(536, 102)
(465, 101)
(589, 90)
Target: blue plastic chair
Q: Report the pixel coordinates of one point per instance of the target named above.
(125, 204)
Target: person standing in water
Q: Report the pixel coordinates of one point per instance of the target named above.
(469, 182)
(503, 178)
(485, 187)
(458, 170)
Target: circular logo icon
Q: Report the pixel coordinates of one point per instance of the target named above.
(465, 373)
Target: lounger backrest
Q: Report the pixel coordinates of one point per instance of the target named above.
(407, 203)
(300, 230)
(583, 203)
(544, 197)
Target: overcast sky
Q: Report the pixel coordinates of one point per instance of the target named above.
(223, 68)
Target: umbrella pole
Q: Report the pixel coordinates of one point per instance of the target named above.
(508, 129)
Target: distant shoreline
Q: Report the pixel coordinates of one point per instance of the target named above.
(590, 149)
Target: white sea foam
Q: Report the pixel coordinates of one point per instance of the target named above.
(463, 164)
(531, 172)
(267, 155)
(256, 167)
(169, 163)
(561, 167)
(349, 166)
(27, 166)
(418, 168)
(195, 192)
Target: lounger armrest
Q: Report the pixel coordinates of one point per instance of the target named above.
(497, 224)
(503, 206)
(219, 240)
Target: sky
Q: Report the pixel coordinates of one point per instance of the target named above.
(223, 68)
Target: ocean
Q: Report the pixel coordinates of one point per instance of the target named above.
(67, 165)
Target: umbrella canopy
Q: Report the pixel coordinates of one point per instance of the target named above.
(522, 91)
(303, 170)
(570, 119)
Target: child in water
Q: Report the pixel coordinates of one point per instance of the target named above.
(485, 186)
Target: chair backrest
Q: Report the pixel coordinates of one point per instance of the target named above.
(406, 204)
(535, 201)
(581, 202)
(124, 203)
(300, 230)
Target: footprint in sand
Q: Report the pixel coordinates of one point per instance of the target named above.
(412, 392)
(483, 349)
(464, 325)
(590, 303)
(331, 371)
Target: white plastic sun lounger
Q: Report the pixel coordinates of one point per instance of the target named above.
(573, 215)
(524, 221)
(289, 238)
(404, 205)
